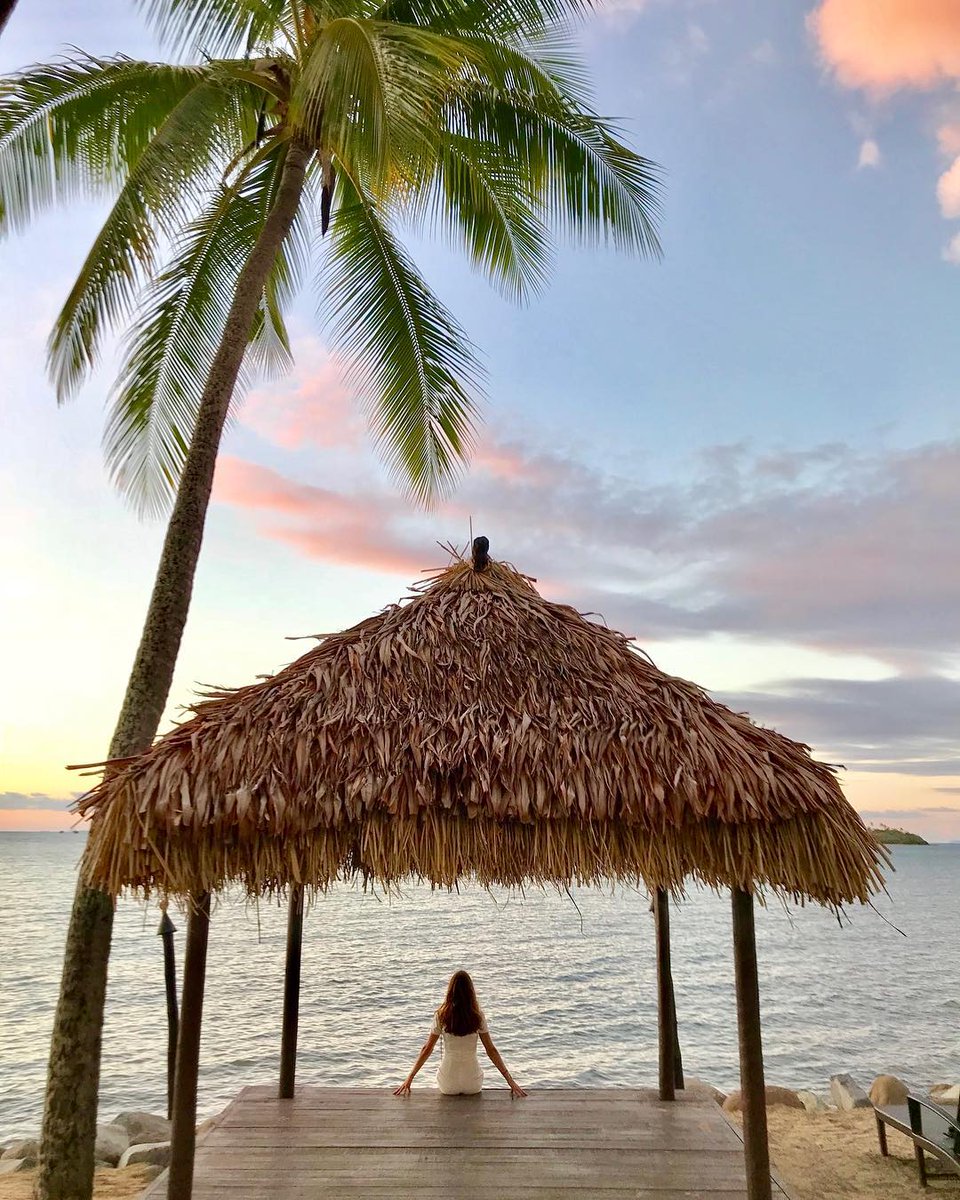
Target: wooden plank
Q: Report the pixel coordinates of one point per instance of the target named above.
(461, 1182)
(523, 1115)
(364, 1097)
(463, 1168)
(314, 1139)
(285, 1190)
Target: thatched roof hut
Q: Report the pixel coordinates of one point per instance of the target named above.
(475, 731)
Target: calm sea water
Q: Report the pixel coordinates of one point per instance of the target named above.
(568, 984)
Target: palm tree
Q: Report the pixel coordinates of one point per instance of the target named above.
(303, 117)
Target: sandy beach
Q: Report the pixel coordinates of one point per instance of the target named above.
(109, 1184)
(835, 1156)
(818, 1156)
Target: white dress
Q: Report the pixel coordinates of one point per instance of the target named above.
(459, 1073)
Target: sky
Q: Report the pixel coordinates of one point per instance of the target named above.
(746, 455)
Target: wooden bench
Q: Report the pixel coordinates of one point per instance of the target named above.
(931, 1128)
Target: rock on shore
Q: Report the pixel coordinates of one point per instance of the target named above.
(698, 1087)
(775, 1095)
(112, 1140)
(144, 1128)
(26, 1151)
(134, 1138)
(155, 1155)
(888, 1089)
(847, 1094)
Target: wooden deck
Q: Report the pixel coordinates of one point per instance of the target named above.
(348, 1143)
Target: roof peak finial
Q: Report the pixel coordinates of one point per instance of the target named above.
(481, 557)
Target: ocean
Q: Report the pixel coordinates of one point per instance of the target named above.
(568, 983)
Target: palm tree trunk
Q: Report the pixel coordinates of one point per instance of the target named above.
(70, 1112)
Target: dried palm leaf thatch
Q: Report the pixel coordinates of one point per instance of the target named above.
(475, 731)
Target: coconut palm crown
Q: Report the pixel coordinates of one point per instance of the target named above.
(453, 114)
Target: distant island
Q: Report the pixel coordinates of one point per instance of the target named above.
(898, 837)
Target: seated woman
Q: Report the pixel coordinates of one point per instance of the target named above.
(459, 1021)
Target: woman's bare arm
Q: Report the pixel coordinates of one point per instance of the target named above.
(425, 1052)
(494, 1055)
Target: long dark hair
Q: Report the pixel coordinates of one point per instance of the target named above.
(460, 1013)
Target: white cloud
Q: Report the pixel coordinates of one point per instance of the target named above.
(948, 190)
(697, 36)
(623, 6)
(682, 56)
(765, 53)
(869, 154)
(951, 252)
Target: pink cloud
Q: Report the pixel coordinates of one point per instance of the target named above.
(248, 485)
(948, 138)
(314, 407)
(354, 529)
(883, 45)
(513, 462)
(311, 407)
(948, 190)
(354, 544)
(503, 462)
(869, 154)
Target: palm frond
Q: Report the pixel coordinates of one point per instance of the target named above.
(171, 345)
(493, 18)
(344, 95)
(374, 93)
(220, 28)
(413, 362)
(590, 183)
(482, 197)
(77, 126)
(164, 187)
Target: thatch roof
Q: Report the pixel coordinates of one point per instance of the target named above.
(475, 731)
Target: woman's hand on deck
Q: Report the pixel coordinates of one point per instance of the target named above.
(516, 1090)
(403, 1089)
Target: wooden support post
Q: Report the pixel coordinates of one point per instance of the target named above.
(166, 931)
(183, 1136)
(755, 1148)
(291, 995)
(678, 1081)
(665, 1007)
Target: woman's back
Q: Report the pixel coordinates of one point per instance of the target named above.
(459, 1071)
